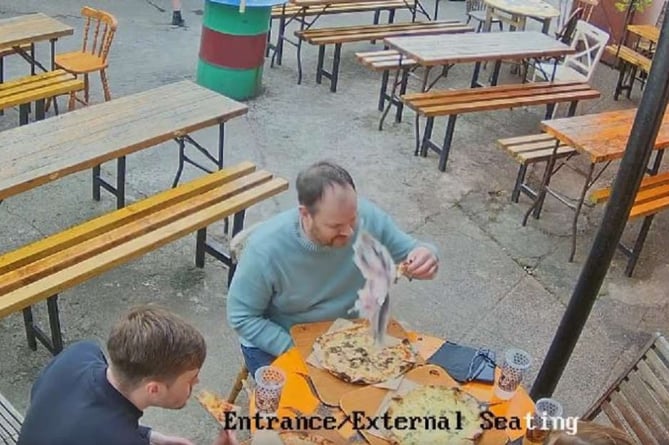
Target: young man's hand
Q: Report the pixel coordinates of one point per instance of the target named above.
(157, 438)
(226, 437)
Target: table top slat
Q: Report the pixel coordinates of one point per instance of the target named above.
(602, 136)
(529, 8)
(43, 151)
(648, 32)
(30, 28)
(442, 49)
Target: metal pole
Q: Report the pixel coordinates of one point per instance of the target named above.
(642, 138)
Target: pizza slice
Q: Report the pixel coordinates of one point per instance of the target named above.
(216, 405)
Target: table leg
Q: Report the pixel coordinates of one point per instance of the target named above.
(541, 193)
(546, 25)
(423, 87)
(577, 211)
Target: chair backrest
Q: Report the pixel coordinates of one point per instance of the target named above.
(474, 5)
(588, 6)
(566, 34)
(102, 26)
(638, 401)
(589, 43)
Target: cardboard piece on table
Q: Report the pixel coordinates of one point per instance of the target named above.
(369, 400)
(328, 387)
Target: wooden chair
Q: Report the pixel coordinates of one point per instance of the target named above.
(237, 244)
(93, 55)
(638, 401)
(587, 5)
(476, 10)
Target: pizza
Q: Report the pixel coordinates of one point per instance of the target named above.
(429, 405)
(298, 438)
(215, 405)
(351, 355)
(303, 438)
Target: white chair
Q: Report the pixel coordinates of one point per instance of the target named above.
(589, 43)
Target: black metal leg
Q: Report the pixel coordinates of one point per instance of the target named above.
(54, 324)
(495, 73)
(475, 76)
(299, 61)
(403, 89)
(279, 43)
(450, 127)
(120, 182)
(377, 15)
(2, 78)
(515, 195)
(28, 323)
(426, 136)
(335, 68)
(32, 57)
(572, 108)
(619, 84)
(238, 222)
(436, 9)
(221, 144)
(52, 43)
(638, 245)
(96, 183)
(384, 89)
(201, 239)
(391, 16)
(24, 110)
(180, 168)
(39, 109)
(319, 65)
(550, 108)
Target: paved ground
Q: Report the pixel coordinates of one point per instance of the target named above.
(500, 284)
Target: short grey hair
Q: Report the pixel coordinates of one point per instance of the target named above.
(312, 182)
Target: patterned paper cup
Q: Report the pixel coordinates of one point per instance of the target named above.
(516, 364)
(269, 385)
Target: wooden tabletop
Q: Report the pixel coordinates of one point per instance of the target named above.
(603, 136)
(648, 32)
(528, 8)
(443, 49)
(44, 151)
(30, 28)
(298, 394)
(305, 3)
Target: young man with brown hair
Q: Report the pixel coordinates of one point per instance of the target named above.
(80, 399)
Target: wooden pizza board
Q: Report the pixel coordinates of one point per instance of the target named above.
(328, 387)
(368, 400)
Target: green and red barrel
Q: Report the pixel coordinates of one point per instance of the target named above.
(232, 47)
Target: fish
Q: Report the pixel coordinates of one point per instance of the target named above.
(379, 270)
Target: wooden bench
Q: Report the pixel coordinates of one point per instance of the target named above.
(528, 150)
(39, 271)
(37, 88)
(637, 402)
(452, 103)
(288, 12)
(10, 422)
(651, 198)
(365, 33)
(627, 57)
(384, 61)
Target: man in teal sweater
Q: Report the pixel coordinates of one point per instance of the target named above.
(297, 267)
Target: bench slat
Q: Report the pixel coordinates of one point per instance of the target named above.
(338, 8)
(544, 154)
(39, 79)
(509, 102)
(71, 276)
(383, 60)
(63, 240)
(132, 228)
(649, 208)
(10, 51)
(631, 418)
(63, 87)
(630, 56)
(527, 138)
(343, 34)
(491, 92)
(647, 182)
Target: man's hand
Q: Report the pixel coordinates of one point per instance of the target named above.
(157, 438)
(226, 437)
(421, 264)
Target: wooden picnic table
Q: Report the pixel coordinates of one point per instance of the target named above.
(298, 396)
(648, 32)
(31, 29)
(520, 10)
(443, 50)
(44, 151)
(601, 138)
